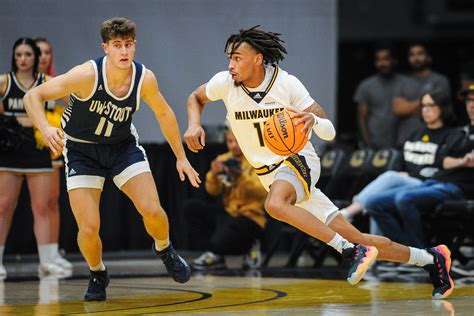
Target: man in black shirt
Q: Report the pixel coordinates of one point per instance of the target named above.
(422, 78)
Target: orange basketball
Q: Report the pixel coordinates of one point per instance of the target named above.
(282, 136)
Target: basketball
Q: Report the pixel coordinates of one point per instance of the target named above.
(282, 136)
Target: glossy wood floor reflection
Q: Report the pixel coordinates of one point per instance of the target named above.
(214, 295)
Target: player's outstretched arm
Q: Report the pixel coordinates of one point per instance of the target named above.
(195, 136)
(169, 126)
(64, 100)
(79, 80)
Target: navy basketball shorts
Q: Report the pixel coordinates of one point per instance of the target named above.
(27, 158)
(87, 164)
(302, 172)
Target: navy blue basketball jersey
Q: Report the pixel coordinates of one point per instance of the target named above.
(13, 98)
(102, 117)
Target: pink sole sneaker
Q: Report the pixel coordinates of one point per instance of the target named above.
(445, 291)
(363, 258)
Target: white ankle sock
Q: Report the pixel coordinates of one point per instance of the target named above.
(2, 249)
(420, 257)
(43, 252)
(162, 244)
(99, 267)
(339, 243)
(54, 250)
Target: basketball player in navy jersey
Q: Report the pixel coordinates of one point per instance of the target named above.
(252, 89)
(100, 140)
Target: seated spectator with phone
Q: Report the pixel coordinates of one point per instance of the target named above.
(240, 221)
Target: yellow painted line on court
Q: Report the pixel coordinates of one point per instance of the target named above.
(301, 294)
(117, 304)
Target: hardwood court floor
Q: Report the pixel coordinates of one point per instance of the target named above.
(234, 295)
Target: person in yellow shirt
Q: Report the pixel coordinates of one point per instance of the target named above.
(241, 228)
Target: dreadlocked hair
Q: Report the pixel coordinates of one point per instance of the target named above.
(268, 44)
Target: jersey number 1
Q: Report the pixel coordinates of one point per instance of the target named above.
(100, 127)
(258, 127)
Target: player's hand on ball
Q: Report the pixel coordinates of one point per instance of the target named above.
(303, 117)
(195, 138)
(186, 170)
(282, 136)
(53, 138)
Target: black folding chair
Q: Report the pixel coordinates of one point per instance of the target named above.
(351, 177)
(384, 160)
(451, 223)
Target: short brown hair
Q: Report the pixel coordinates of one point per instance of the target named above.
(117, 27)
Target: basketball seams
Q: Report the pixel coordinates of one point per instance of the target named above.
(273, 148)
(294, 131)
(269, 144)
(273, 118)
(281, 153)
(295, 149)
(280, 145)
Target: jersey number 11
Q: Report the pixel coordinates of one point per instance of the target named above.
(100, 127)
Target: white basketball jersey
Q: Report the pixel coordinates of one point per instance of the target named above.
(248, 109)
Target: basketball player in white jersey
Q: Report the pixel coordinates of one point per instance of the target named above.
(100, 142)
(253, 89)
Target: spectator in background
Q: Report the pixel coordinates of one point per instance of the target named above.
(46, 66)
(23, 157)
(419, 157)
(377, 122)
(465, 79)
(454, 182)
(240, 222)
(406, 104)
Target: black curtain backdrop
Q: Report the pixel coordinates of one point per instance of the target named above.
(121, 225)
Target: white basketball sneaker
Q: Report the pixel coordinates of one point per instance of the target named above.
(63, 263)
(3, 271)
(50, 268)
